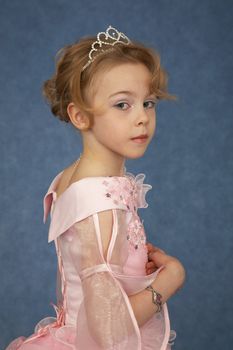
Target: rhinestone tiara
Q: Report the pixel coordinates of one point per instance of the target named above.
(111, 37)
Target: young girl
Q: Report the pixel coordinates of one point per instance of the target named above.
(112, 285)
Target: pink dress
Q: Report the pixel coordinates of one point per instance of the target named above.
(93, 308)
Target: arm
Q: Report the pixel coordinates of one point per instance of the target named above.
(108, 318)
(105, 319)
(168, 281)
(150, 265)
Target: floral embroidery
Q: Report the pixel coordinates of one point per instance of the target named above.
(130, 191)
(120, 191)
(135, 233)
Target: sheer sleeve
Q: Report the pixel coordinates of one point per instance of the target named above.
(105, 319)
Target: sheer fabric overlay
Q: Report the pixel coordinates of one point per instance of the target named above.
(93, 287)
(104, 299)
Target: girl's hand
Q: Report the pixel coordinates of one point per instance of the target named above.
(157, 258)
(167, 282)
(150, 265)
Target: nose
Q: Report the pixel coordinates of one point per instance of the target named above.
(142, 116)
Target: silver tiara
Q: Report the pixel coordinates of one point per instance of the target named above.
(110, 37)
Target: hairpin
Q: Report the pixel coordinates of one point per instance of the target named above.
(110, 37)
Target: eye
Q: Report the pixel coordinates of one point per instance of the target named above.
(122, 105)
(149, 104)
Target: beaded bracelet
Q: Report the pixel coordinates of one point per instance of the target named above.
(156, 298)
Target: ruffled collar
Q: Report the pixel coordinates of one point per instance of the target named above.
(127, 189)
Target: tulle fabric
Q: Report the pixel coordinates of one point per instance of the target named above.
(61, 338)
(64, 339)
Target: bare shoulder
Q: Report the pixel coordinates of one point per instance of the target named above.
(75, 172)
(65, 179)
(105, 222)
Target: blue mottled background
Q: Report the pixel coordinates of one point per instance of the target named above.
(189, 163)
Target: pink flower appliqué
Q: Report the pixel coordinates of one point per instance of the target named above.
(129, 190)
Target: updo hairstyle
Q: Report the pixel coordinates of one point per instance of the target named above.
(70, 84)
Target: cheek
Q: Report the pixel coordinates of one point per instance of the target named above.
(106, 124)
(155, 123)
(153, 120)
(153, 126)
(103, 129)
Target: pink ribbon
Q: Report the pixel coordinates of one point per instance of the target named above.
(60, 321)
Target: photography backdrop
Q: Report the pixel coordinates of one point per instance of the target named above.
(189, 163)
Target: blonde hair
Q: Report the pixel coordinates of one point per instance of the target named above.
(70, 84)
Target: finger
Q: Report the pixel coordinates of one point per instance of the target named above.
(161, 258)
(158, 250)
(150, 264)
(152, 248)
(161, 250)
(149, 247)
(150, 271)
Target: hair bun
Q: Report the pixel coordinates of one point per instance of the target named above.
(54, 100)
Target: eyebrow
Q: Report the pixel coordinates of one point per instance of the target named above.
(122, 92)
(126, 93)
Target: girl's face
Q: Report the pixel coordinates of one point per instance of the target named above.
(128, 110)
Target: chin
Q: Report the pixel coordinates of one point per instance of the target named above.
(135, 155)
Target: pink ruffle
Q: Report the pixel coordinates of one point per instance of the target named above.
(58, 338)
(62, 338)
(141, 188)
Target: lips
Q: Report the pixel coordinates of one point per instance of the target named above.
(140, 137)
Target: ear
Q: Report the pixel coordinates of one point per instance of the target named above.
(77, 117)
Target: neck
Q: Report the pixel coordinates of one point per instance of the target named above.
(101, 161)
(102, 164)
